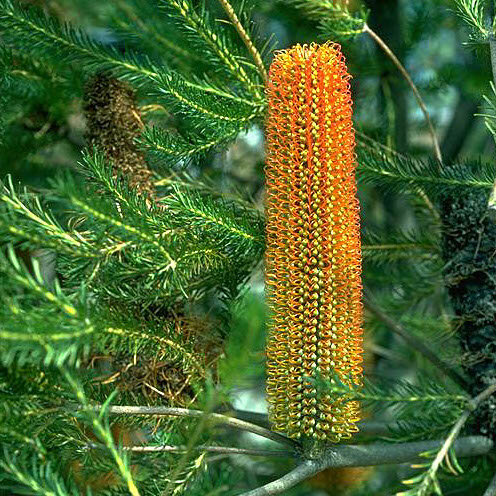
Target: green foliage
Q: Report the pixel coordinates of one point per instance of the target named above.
(406, 174)
(490, 115)
(387, 248)
(224, 53)
(40, 478)
(245, 342)
(59, 320)
(473, 13)
(45, 37)
(336, 22)
(171, 148)
(401, 395)
(110, 297)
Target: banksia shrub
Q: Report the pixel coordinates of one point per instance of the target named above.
(313, 258)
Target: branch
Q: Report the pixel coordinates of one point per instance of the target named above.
(455, 431)
(216, 417)
(370, 455)
(404, 73)
(371, 144)
(491, 490)
(209, 449)
(245, 37)
(415, 343)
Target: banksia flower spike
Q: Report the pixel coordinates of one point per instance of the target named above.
(313, 258)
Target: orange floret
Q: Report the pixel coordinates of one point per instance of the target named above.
(313, 258)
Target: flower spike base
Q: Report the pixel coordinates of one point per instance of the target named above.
(313, 260)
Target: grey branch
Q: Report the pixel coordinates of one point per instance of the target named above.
(226, 450)
(404, 73)
(414, 342)
(369, 455)
(456, 429)
(215, 417)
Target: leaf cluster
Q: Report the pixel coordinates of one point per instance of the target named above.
(336, 21)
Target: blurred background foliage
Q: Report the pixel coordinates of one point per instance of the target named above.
(44, 133)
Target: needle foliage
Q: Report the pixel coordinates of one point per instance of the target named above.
(132, 237)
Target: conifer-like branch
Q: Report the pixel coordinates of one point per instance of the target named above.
(472, 12)
(428, 479)
(336, 21)
(400, 174)
(44, 36)
(102, 430)
(199, 28)
(414, 342)
(245, 37)
(391, 247)
(41, 479)
(374, 147)
(174, 149)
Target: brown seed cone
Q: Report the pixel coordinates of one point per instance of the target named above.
(114, 123)
(165, 377)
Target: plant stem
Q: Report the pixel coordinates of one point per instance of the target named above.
(245, 37)
(370, 455)
(455, 431)
(415, 343)
(404, 73)
(216, 417)
(102, 432)
(209, 449)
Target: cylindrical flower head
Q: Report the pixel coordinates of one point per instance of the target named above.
(313, 258)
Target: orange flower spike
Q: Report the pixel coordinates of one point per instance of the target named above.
(313, 258)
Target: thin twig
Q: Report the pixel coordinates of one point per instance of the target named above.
(216, 417)
(414, 342)
(245, 37)
(261, 419)
(209, 449)
(404, 73)
(455, 431)
(491, 490)
(370, 455)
